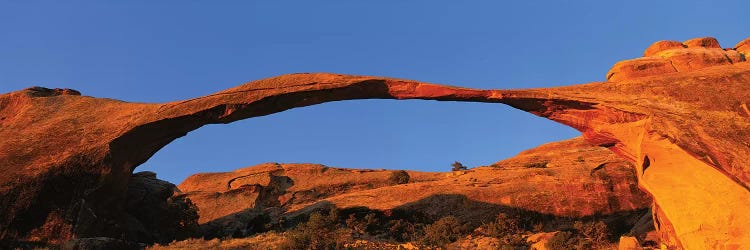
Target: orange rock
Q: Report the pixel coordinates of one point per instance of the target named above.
(734, 56)
(743, 46)
(67, 159)
(695, 58)
(78, 156)
(628, 243)
(639, 67)
(705, 42)
(669, 56)
(662, 46)
(570, 179)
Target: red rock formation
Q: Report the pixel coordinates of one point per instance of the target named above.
(662, 46)
(687, 131)
(569, 179)
(702, 42)
(66, 159)
(664, 57)
(743, 46)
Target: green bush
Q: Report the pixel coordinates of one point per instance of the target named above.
(562, 241)
(399, 177)
(446, 230)
(594, 233)
(181, 219)
(457, 166)
(541, 164)
(404, 230)
(319, 232)
(587, 235)
(503, 225)
(398, 225)
(507, 229)
(366, 225)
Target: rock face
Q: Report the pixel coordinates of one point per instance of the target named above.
(665, 57)
(157, 212)
(531, 181)
(570, 179)
(67, 159)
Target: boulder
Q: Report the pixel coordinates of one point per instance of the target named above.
(743, 46)
(690, 59)
(640, 67)
(665, 57)
(628, 243)
(702, 42)
(662, 46)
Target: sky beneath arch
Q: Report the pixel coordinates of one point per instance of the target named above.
(158, 51)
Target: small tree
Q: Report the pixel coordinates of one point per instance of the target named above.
(457, 166)
(399, 177)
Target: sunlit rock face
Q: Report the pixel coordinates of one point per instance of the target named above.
(567, 179)
(671, 56)
(685, 129)
(67, 159)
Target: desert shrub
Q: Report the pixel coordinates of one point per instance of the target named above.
(507, 229)
(580, 159)
(594, 233)
(587, 235)
(541, 164)
(259, 224)
(181, 219)
(398, 177)
(403, 230)
(396, 225)
(321, 231)
(406, 225)
(457, 166)
(445, 230)
(562, 241)
(367, 224)
(503, 225)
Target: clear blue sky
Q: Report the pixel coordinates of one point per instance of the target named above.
(158, 51)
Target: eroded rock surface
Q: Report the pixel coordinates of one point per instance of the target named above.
(665, 57)
(66, 159)
(568, 179)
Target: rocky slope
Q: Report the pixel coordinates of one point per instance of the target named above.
(568, 179)
(67, 159)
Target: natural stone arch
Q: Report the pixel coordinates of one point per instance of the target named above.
(69, 169)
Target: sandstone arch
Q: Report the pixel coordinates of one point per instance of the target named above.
(66, 158)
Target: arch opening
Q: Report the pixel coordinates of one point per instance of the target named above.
(368, 134)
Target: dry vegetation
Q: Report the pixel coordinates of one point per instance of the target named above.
(330, 230)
